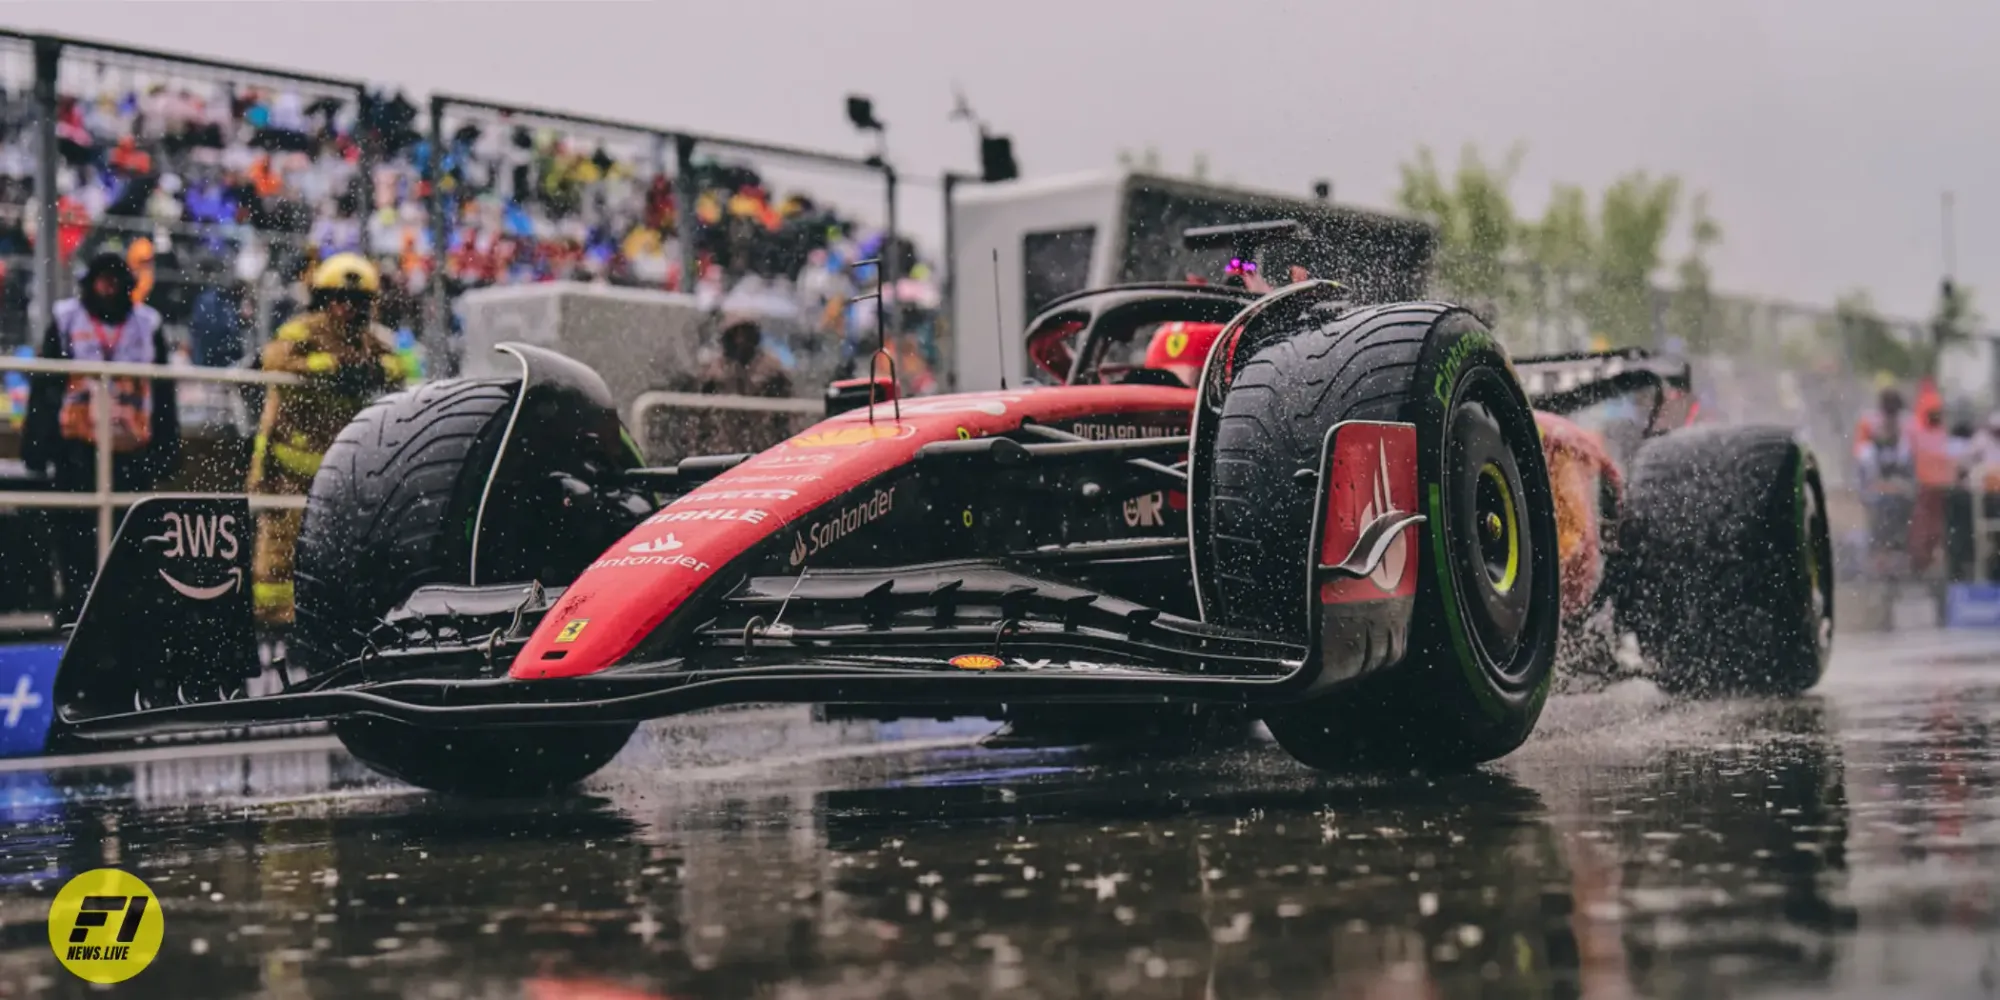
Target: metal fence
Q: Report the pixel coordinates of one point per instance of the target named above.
(223, 181)
(646, 206)
(103, 499)
(113, 148)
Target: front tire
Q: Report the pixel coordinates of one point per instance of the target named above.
(390, 510)
(393, 509)
(1482, 640)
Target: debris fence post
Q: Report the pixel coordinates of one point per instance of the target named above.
(685, 224)
(437, 332)
(100, 416)
(48, 56)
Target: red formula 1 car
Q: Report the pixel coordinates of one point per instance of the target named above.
(1347, 528)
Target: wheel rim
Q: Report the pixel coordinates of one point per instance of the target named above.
(1485, 529)
(1498, 527)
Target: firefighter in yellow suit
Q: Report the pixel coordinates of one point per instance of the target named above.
(347, 360)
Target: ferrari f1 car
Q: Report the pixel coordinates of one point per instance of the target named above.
(1366, 526)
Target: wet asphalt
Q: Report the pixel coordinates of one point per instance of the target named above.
(1845, 844)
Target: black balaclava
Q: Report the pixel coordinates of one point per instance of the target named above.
(115, 308)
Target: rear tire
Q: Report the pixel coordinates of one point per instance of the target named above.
(483, 763)
(1481, 648)
(1729, 585)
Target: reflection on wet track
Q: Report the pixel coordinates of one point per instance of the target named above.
(1843, 843)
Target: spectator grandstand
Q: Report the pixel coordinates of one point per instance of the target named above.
(223, 191)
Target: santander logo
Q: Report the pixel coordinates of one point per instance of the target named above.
(657, 545)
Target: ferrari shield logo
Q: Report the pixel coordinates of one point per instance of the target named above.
(572, 629)
(844, 437)
(1372, 474)
(1176, 343)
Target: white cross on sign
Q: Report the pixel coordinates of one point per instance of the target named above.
(23, 699)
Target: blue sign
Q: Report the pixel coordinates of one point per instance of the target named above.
(1972, 605)
(27, 697)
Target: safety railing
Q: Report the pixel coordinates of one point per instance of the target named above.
(103, 498)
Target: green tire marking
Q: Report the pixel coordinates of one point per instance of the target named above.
(1449, 585)
(1454, 361)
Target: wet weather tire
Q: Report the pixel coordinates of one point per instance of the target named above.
(497, 763)
(1729, 583)
(390, 510)
(1481, 648)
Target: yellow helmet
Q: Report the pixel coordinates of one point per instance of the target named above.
(347, 272)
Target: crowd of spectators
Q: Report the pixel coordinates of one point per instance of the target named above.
(223, 195)
(1928, 474)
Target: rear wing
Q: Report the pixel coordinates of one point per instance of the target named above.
(1566, 383)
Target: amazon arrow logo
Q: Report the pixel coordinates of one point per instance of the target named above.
(199, 536)
(206, 593)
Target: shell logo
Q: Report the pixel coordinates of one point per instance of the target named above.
(843, 437)
(976, 661)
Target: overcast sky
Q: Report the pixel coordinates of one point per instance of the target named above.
(1823, 130)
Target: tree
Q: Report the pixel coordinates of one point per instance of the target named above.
(1474, 216)
(1868, 340)
(1691, 314)
(1633, 219)
(1558, 250)
(1598, 267)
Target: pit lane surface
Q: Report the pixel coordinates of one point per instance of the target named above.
(1841, 844)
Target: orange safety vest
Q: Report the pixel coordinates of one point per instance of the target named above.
(131, 398)
(1935, 464)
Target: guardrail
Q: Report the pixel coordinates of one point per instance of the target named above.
(103, 498)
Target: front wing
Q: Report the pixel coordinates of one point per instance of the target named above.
(972, 634)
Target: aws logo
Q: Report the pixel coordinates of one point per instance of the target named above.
(200, 537)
